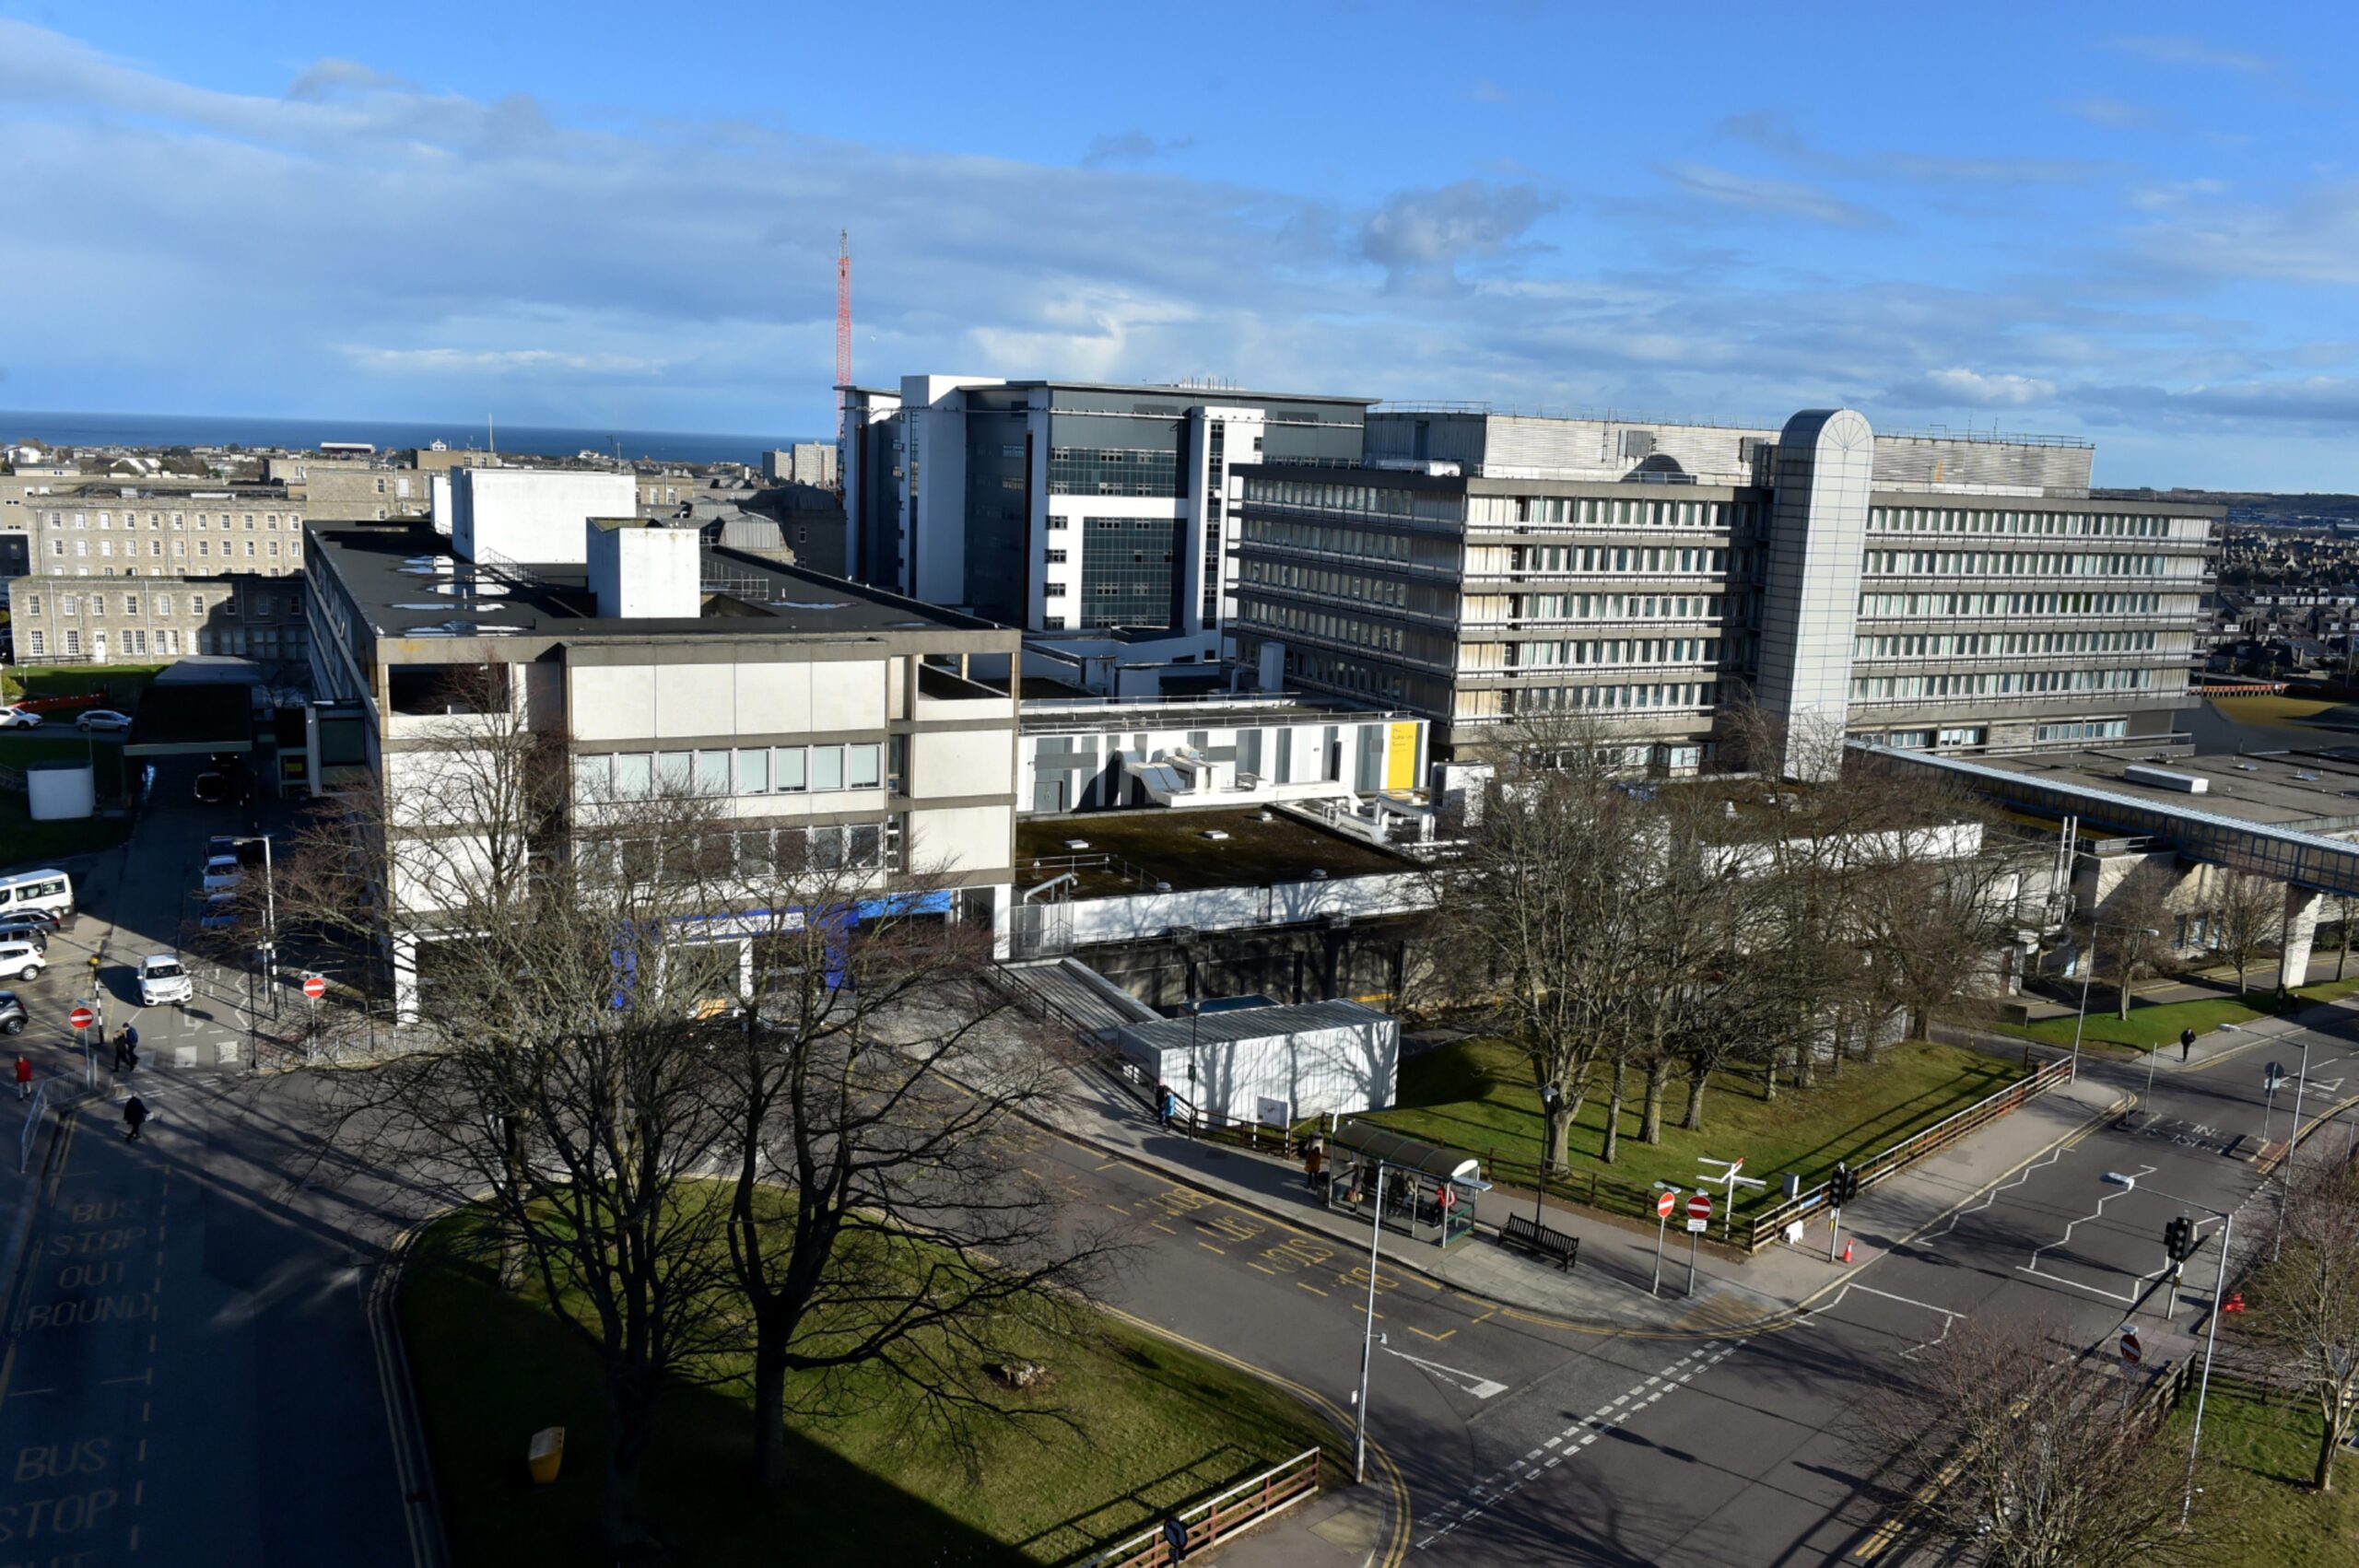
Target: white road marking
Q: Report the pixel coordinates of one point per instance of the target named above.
(1480, 1386)
(2034, 1268)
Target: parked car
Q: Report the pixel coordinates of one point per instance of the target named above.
(21, 928)
(21, 961)
(212, 790)
(163, 979)
(222, 872)
(13, 1016)
(47, 894)
(96, 720)
(14, 718)
(219, 913)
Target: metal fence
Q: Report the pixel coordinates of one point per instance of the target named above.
(1217, 1519)
(1766, 1226)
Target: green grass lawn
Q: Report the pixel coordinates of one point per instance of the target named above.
(1154, 1427)
(121, 684)
(1477, 1096)
(2258, 1510)
(2151, 1025)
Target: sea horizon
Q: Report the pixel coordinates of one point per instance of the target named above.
(71, 428)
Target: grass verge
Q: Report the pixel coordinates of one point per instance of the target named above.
(116, 686)
(2156, 1024)
(1153, 1427)
(2258, 1510)
(1477, 1096)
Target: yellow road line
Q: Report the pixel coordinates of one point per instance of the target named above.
(1436, 1339)
(1210, 1248)
(1271, 1272)
(1307, 1285)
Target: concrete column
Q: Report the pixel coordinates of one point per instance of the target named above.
(404, 980)
(2300, 928)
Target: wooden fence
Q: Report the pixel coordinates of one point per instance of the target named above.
(1209, 1523)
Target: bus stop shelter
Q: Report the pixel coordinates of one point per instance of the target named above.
(1419, 1191)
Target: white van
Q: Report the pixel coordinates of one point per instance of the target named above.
(22, 894)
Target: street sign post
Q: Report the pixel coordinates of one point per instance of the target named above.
(81, 1017)
(1664, 1204)
(1728, 1179)
(2131, 1353)
(2271, 1077)
(1699, 1217)
(315, 987)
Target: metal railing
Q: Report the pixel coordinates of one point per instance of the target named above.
(1765, 1227)
(1219, 1518)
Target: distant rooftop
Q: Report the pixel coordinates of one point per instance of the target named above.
(1151, 845)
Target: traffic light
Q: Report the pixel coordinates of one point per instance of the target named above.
(1843, 1186)
(2179, 1239)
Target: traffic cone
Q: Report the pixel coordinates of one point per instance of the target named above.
(1847, 1252)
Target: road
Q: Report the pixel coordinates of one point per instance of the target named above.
(1523, 1440)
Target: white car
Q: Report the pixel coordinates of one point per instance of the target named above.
(222, 872)
(162, 980)
(98, 719)
(18, 718)
(21, 961)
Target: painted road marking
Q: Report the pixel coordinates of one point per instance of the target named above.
(1480, 1386)
(2034, 1268)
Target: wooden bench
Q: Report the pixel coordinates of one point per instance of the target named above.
(1540, 1241)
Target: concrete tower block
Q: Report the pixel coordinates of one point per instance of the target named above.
(2296, 936)
(1818, 526)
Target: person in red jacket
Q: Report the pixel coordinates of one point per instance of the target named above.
(24, 1079)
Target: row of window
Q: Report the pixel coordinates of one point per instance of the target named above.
(744, 771)
(1649, 559)
(81, 550)
(1616, 650)
(1873, 604)
(1989, 645)
(1378, 501)
(1616, 606)
(260, 606)
(1378, 635)
(1363, 544)
(2009, 563)
(1610, 699)
(2085, 525)
(128, 640)
(1999, 682)
(156, 519)
(1610, 512)
(2083, 729)
(746, 854)
(1927, 739)
(1346, 673)
(1339, 585)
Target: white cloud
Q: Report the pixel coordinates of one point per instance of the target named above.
(1419, 230)
(1778, 198)
(1961, 388)
(2184, 51)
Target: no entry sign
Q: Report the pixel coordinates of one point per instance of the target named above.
(82, 1018)
(1699, 1211)
(315, 987)
(2130, 1353)
(1666, 1203)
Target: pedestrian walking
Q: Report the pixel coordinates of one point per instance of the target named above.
(1314, 1161)
(1167, 1105)
(126, 1048)
(24, 1079)
(2186, 1044)
(134, 1112)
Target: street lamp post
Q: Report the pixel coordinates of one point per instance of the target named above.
(1368, 1335)
(2088, 976)
(2212, 1335)
(269, 923)
(1550, 1099)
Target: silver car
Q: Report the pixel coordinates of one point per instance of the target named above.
(163, 979)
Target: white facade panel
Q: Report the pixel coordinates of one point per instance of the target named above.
(960, 838)
(961, 762)
(695, 699)
(611, 702)
(772, 699)
(847, 695)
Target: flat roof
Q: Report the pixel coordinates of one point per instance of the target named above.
(2310, 791)
(408, 582)
(1232, 1025)
(1160, 844)
(1061, 713)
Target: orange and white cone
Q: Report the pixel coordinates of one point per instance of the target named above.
(1847, 1252)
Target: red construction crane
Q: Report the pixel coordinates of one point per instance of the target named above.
(843, 324)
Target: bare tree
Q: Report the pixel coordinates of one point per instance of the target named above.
(2125, 935)
(2003, 1440)
(875, 1085)
(2304, 1300)
(2242, 913)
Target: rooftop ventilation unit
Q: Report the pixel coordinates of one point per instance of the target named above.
(2163, 778)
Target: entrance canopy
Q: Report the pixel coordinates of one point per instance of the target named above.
(1408, 1153)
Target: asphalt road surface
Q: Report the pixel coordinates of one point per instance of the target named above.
(1522, 1440)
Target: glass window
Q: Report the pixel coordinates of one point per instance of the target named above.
(633, 774)
(712, 773)
(753, 776)
(867, 846)
(862, 767)
(789, 768)
(827, 848)
(593, 776)
(674, 772)
(827, 768)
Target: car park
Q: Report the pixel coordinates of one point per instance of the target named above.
(164, 979)
(20, 929)
(21, 961)
(13, 1016)
(14, 718)
(222, 872)
(98, 720)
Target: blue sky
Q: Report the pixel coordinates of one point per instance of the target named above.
(2136, 223)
